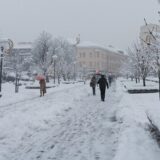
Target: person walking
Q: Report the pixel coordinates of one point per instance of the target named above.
(42, 87)
(110, 78)
(102, 85)
(93, 84)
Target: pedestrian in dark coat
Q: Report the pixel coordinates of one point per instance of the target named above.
(93, 84)
(42, 87)
(110, 79)
(102, 85)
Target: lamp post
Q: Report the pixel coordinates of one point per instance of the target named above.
(74, 70)
(54, 63)
(84, 73)
(16, 82)
(16, 70)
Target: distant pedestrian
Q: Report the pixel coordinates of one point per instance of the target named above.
(102, 85)
(110, 79)
(42, 87)
(93, 84)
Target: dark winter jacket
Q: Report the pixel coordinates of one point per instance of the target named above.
(93, 82)
(103, 83)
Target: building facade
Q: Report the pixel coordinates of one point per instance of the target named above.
(98, 59)
(19, 53)
(148, 33)
(90, 58)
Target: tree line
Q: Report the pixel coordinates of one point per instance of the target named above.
(48, 55)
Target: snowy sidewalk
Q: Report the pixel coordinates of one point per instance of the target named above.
(71, 124)
(84, 127)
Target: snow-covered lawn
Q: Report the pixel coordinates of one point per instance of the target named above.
(135, 141)
(133, 85)
(69, 123)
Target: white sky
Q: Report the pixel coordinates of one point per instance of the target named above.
(115, 22)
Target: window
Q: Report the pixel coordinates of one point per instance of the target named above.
(84, 54)
(90, 64)
(80, 64)
(80, 54)
(148, 39)
(98, 54)
(90, 54)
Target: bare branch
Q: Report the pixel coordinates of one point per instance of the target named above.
(150, 32)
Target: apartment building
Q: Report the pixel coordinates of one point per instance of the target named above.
(146, 32)
(95, 58)
(19, 53)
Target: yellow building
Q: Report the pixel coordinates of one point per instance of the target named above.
(95, 58)
(148, 33)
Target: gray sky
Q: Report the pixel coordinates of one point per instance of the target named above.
(115, 22)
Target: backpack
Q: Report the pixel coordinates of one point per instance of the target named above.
(91, 84)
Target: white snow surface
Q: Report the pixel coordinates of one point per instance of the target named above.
(69, 123)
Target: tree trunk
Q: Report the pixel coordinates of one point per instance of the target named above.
(144, 82)
(47, 78)
(58, 79)
(136, 80)
(159, 83)
(64, 77)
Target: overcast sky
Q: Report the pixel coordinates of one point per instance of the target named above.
(105, 22)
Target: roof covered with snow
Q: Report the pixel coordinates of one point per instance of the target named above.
(110, 48)
(22, 45)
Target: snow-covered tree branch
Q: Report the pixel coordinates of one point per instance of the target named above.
(43, 51)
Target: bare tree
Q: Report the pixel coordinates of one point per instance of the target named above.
(154, 47)
(134, 63)
(145, 63)
(140, 61)
(155, 51)
(65, 58)
(41, 53)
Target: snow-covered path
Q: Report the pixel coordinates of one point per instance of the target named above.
(69, 123)
(63, 125)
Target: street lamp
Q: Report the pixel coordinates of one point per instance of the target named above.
(74, 70)
(54, 63)
(6, 46)
(16, 70)
(84, 73)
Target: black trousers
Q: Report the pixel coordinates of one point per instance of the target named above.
(94, 90)
(102, 90)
